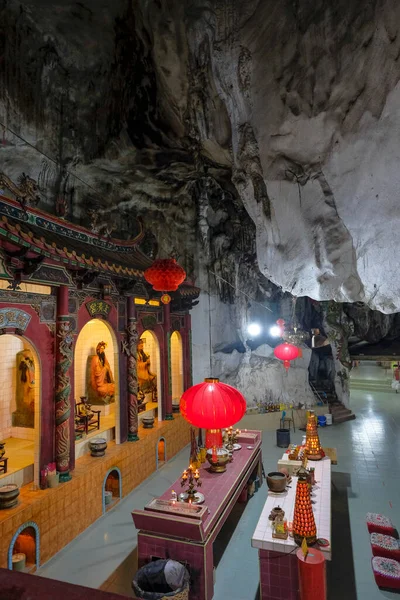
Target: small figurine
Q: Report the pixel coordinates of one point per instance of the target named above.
(280, 529)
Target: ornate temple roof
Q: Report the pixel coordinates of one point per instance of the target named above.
(32, 233)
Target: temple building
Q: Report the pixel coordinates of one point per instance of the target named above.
(89, 351)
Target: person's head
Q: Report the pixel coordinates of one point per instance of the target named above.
(140, 345)
(101, 351)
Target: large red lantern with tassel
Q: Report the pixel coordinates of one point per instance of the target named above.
(165, 275)
(286, 352)
(211, 405)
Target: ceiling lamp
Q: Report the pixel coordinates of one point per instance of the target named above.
(286, 352)
(254, 329)
(211, 405)
(165, 275)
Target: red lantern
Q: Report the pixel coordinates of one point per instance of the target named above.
(281, 325)
(286, 352)
(165, 275)
(212, 405)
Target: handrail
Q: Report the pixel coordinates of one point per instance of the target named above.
(316, 393)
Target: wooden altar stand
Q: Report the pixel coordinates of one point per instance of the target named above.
(189, 539)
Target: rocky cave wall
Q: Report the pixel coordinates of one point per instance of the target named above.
(256, 140)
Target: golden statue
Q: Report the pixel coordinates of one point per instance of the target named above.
(101, 388)
(24, 416)
(147, 381)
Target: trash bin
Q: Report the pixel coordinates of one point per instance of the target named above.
(161, 580)
(283, 438)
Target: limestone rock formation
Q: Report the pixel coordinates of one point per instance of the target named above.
(255, 139)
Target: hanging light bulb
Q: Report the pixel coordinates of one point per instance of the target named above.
(254, 329)
(275, 331)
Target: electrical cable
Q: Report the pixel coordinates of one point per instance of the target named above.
(51, 159)
(240, 291)
(209, 322)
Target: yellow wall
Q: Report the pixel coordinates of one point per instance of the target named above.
(152, 347)
(91, 334)
(32, 288)
(10, 345)
(176, 365)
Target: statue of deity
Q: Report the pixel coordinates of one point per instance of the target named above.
(24, 416)
(101, 383)
(147, 380)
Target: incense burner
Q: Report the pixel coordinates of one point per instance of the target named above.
(218, 459)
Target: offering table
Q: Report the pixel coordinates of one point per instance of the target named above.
(167, 533)
(277, 557)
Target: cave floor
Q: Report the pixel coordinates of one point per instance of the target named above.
(367, 478)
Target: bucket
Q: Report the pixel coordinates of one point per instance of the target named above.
(322, 421)
(157, 575)
(328, 418)
(9, 495)
(18, 561)
(283, 438)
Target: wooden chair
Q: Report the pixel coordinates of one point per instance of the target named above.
(290, 421)
(86, 418)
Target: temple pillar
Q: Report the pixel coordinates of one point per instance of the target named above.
(131, 351)
(167, 395)
(187, 354)
(64, 356)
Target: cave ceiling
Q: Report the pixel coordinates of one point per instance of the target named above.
(260, 137)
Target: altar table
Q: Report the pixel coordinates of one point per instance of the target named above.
(190, 540)
(278, 561)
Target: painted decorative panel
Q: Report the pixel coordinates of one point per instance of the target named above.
(15, 318)
(98, 307)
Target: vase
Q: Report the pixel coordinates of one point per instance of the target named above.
(9, 495)
(97, 447)
(148, 422)
(276, 512)
(277, 482)
(18, 561)
(218, 459)
(203, 455)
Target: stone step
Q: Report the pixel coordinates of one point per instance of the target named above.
(340, 410)
(375, 388)
(340, 415)
(344, 418)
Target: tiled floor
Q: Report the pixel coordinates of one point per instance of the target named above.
(367, 478)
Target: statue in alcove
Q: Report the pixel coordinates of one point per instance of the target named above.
(101, 385)
(147, 380)
(24, 416)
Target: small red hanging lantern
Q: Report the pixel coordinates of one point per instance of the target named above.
(165, 298)
(281, 325)
(165, 275)
(286, 352)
